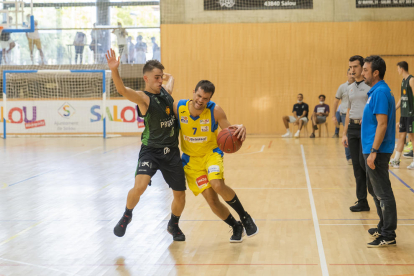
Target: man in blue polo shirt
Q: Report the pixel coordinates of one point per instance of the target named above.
(378, 141)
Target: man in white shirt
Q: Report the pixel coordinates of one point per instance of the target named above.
(34, 39)
(121, 35)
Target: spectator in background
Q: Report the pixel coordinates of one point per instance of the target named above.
(95, 46)
(121, 35)
(300, 117)
(320, 112)
(140, 51)
(79, 43)
(7, 44)
(34, 39)
(156, 51)
(131, 49)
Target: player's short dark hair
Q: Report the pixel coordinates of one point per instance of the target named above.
(300, 94)
(207, 86)
(151, 64)
(359, 58)
(324, 97)
(377, 63)
(403, 65)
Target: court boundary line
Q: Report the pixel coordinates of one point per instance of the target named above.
(402, 181)
(322, 258)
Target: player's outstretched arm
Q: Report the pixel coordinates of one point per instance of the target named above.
(137, 97)
(169, 86)
(175, 105)
(221, 118)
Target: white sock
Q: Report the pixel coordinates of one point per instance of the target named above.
(298, 131)
(287, 130)
(397, 155)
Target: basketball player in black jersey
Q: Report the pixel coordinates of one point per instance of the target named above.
(406, 103)
(159, 150)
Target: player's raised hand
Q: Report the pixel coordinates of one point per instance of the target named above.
(113, 62)
(166, 76)
(240, 131)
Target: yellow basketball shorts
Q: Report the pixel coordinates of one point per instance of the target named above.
(199, 171)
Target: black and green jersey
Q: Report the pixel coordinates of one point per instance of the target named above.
(407, 99)
(161, 126)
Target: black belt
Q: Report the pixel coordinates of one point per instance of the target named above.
(355, 122)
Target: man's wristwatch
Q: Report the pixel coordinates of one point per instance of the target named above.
(373, 150)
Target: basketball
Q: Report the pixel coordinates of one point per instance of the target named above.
(227, 142)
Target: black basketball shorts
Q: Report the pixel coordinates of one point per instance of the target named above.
(167, 160)
(407, 124)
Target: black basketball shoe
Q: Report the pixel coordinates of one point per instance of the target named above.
(249, 225)
(238, 232)
(175, 231)
(120, 228)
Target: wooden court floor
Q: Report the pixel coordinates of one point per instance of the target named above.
(61, 197)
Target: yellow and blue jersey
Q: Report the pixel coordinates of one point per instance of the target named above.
(202, 158)
(198, 134)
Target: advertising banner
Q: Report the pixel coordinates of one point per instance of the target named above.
(70, 116)
(257, 4)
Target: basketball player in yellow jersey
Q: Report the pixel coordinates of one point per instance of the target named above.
(202, 159)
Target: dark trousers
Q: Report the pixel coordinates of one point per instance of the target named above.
(358, 162)
(79, 51)
(379, 186)
(341, 119)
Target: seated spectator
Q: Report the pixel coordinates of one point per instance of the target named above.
(299, 118)
(319, 115)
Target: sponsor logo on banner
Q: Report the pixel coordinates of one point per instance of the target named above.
(66, 110)
(127, 115)
(213, 168)
(184, 120)
(202, 181)
(35, 124)
(204, 129)
(227, 3)
(195, 139)
(205, 122)
(19, 115)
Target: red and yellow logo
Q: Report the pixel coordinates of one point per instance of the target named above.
(167, 110)
(404, 92)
